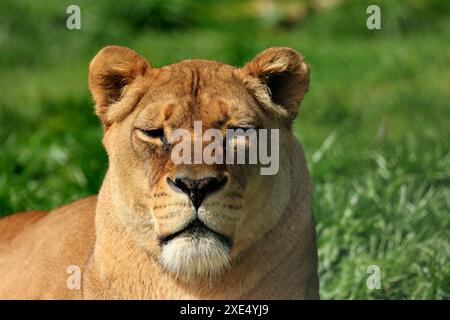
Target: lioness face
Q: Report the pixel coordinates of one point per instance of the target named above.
(194, 218)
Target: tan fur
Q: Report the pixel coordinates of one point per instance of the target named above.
(114, 237)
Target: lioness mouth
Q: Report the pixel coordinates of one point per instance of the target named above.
(197, 229)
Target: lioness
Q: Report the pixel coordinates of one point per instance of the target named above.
(158, 230)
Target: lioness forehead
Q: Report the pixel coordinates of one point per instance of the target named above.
(191, 90)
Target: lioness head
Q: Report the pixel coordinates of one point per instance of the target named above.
(194, 219)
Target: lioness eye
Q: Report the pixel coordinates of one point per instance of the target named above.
(154, 133)
(241, 128)
(244, 129)
(157, 134)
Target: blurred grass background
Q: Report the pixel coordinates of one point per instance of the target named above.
(375, 123)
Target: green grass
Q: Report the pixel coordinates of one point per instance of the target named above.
(374, 123)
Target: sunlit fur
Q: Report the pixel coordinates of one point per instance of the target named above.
(260, 238)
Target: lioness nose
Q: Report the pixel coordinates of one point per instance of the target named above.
(197, 189)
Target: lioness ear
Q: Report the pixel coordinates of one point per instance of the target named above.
(111, 70)
(284, 73)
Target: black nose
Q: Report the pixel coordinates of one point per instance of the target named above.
(197, 189)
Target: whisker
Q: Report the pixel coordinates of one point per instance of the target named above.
(166, 205)
(232, 207)
(159, 195)
(234, 195)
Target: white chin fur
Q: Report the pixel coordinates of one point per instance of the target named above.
(189, 257)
